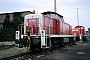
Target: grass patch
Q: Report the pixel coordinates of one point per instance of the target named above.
(6, 55)
(1, 44)
(66, 47)
(76, 43)
(79, 42)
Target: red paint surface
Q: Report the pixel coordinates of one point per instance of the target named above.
(50, 25)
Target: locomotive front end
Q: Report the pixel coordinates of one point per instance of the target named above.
(33, 23)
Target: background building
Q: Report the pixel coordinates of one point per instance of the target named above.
(9, 24)
(23, 13)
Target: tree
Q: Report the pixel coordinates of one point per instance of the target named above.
(9, 27)
(1, 35)
(6, 21)
(18, 19)
(8, 30)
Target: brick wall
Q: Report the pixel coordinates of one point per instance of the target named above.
(2, 16)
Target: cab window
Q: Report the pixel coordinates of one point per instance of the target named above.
(62, 19)
(53, 15)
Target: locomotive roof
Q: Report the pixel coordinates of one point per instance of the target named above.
(80, 26)
(52, 13)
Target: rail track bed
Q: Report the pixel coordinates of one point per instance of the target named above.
(7, 45)
(23, 56)
(35, 54)
(30, 55)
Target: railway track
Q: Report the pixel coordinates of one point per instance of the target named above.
(29, 55)
(23, 56)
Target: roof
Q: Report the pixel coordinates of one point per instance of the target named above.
(80, 26)
(15, 12)
(51, 12)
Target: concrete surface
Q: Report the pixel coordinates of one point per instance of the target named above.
(76, 52)
(7, 43)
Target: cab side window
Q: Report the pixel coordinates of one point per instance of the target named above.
(62, 19)
(53, 16)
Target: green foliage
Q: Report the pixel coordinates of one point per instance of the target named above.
(18, 19)
(66, 47)
(8, 32)
(79, 42)
(76, 43)
(1, 34)
(6, 21)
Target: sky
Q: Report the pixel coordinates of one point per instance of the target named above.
(67, 8)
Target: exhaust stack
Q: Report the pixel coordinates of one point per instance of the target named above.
(55, 10)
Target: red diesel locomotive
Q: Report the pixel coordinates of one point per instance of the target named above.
(45, 30)
(80, 33)
(51, 22)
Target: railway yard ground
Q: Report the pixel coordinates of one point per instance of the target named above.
(6, 52)
(7, 43)
(75, 52)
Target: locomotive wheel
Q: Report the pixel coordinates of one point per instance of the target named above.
(45, 50)
(20, 45)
